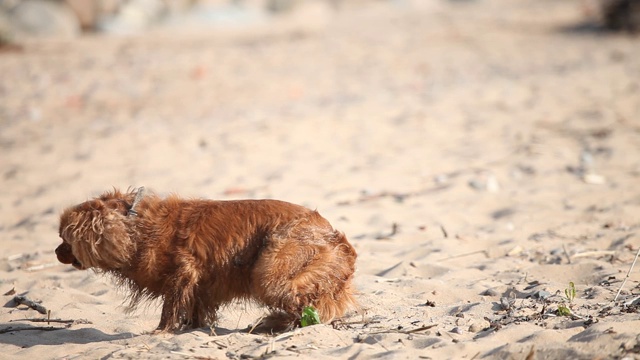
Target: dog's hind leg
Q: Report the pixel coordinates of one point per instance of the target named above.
(306, 265)
(203, 314)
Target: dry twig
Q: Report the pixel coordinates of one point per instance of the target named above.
(259, 322)
(411, 331)
(10, 292)
(594, 253)
(43, 328)
(394, 231)
(566, 253)
(485, 252)
(444, 231)
(42, 266)
(61, 321)
(397, 196)
(628, 273)
(19, 299)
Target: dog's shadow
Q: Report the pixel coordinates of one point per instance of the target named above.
(27, 335)
(258, 330)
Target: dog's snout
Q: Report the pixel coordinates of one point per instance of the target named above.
(64, 254)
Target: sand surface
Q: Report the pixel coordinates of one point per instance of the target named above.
(479, 155)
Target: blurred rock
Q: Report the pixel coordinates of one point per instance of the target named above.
(309, 15)
(621, 15)
(478, 325)
(68, 18)
(133, 16)
(86, 12)
(281, 5)
(594, 179)
(6, 30)
(42, 18)
(490, 292)
(216, 14)
(485, 182)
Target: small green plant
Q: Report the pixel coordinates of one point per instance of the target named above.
(309, 316)
(570, 293)
(563, 310)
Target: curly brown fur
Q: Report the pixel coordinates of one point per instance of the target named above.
(198, 255)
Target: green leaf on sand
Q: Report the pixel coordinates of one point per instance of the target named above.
(309, 316)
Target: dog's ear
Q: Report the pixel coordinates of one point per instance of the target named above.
(97, 234)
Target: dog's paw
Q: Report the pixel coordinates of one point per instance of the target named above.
(159, 331)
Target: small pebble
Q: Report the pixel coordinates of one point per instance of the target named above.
(490, 292)
(441, 179)
(594, 179)
(492, 184)
(517, 250)
(541, 294)
(506, 303)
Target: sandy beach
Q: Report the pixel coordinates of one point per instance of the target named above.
(479, 155)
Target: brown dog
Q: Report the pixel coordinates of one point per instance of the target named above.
(200, 254)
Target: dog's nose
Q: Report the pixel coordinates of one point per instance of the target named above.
(64, 254)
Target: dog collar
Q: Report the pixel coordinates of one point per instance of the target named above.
(139, 195)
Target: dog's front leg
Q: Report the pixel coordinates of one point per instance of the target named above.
(169, 317)
(179, 303)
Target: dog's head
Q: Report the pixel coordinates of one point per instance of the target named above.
(95, 233)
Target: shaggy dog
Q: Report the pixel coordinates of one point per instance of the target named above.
(197, 255)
